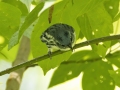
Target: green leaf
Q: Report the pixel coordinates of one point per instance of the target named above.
(116, 76)
(114, 42)
(73, 67)
(112, 7)
(85, 26)
(18, 5)
(10, 54)
(114, 58)
(29, 30)
(9, 21)
(35, 2)
(100, 21)
(96, 77)
(13, 39)
(2, 54)
(116, 17)
(32, 16)
(81, 7)
(27, 25)
(63, 11)
(84, 55)
(81, 36)
(66, 72)
(96, 23)
(101, 24)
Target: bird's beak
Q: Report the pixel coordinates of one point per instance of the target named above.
(70, 46)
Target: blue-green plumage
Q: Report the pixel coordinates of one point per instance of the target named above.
(61, 36)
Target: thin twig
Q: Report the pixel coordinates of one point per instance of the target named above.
(28, 63)
(51, 9)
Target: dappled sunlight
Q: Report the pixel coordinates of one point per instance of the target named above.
(70, 73)
(110, 7)
(2, 39)
(114, 67)
(86, 57)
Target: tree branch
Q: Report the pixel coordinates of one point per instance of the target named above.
(15, 78)
(28, 63)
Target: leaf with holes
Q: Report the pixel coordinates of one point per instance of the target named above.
(94, 24)
(73, 67)
(96, 77)
(116, 76)
(112, 6)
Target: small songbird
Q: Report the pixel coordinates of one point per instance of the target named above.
(60, 36)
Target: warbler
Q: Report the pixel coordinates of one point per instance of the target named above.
(60, 36)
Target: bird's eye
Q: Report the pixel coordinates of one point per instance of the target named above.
(71, 39)
(51, 41)
(63, 45)
(66, 33)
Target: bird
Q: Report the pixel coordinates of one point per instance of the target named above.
(59, 37)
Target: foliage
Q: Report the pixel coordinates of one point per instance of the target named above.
(90, 18)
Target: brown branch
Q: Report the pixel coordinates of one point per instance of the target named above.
(28, 63)
(14, 80)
